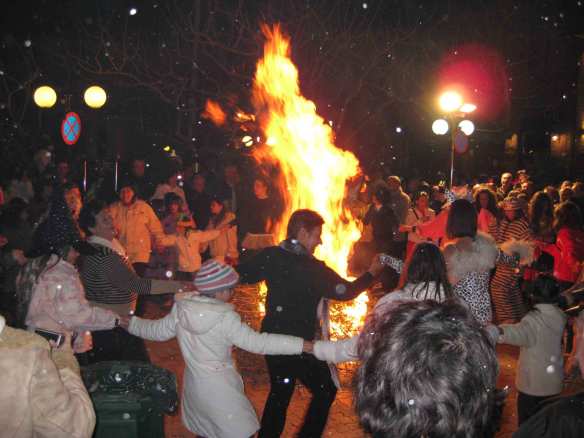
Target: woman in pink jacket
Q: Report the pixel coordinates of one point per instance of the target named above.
(49, 291)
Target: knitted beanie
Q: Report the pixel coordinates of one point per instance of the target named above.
(215, 277)
(58, 230)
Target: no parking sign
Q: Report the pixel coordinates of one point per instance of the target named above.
(460, 142)
(71, 128)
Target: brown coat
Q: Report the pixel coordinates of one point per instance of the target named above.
(42, 393)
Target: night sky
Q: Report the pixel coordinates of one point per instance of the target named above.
(370, 66)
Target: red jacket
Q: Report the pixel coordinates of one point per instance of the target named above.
(568, 253)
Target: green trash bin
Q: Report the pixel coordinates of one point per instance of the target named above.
(130, 398)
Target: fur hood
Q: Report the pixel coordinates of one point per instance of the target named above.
(465, 255)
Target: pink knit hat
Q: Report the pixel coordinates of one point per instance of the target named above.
(215, 277)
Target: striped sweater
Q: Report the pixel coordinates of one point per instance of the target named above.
(110, 279)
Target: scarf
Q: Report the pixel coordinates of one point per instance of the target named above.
(295, 247)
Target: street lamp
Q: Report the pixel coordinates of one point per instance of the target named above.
(95, 97)
(455, 110)
(44, 96)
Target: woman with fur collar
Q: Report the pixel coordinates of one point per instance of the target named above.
(471, 255)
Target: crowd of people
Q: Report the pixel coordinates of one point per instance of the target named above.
(459, 268)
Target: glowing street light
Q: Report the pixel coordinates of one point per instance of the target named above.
(45, 97)
(95, 97)
(450, 101)
(467, 127)
(467, 108)
(440, 127)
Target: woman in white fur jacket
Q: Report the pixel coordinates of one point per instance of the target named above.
(213, 402)
(426, 279)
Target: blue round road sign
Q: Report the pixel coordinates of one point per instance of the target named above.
(460, 142)
(71, 128)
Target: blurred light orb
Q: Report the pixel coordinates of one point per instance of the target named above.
(468, 108)
(133, 11)
(398, 129)
(467, 127)
(247, 141)
(45, 97)
(450, 101)
(440, 127)
(95, 97)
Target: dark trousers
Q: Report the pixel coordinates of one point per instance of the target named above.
(528, 405)
(315, 375)
(184, 276)
(115, 344)
(140, 269)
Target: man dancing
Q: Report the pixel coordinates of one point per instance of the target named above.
(297, 282)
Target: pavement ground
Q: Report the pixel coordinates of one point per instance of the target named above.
(342, 421)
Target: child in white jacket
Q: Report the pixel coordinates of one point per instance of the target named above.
(426, 279)
(540, 371)
(188, 246)
(207, 327)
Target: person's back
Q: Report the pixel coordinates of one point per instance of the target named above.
(540, 370)
(42, 392)
(539, 334)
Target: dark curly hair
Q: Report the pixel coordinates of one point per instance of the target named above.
(428, 370)
(541, 213)
(492, 205)
(568, 215)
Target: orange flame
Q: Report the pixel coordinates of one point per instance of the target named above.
(314, 170)
(214, 113)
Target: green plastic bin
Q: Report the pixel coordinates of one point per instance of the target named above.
(130, 398)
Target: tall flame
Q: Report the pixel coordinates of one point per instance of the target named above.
(314, 170)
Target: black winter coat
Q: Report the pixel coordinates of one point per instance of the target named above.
(296, 283)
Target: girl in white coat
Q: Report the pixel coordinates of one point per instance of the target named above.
(426, 279)
(207, 327)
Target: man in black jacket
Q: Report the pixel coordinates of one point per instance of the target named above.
(297, 282)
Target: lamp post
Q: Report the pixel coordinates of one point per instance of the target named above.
(94, 97)
(455, 112)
